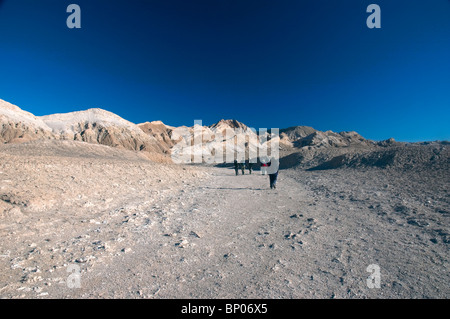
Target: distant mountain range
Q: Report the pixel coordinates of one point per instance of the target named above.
(103, 127)
(155, 139)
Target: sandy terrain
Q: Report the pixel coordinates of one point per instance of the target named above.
(137, 229)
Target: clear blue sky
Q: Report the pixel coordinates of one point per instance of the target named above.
(265, 63)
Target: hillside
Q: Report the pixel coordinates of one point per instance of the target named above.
(300, 146)
(18, 126)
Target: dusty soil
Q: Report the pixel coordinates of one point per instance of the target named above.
(137, 229)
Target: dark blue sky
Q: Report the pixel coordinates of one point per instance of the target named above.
(265, 63)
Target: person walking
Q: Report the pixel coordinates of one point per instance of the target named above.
(250, 164)
(263, 166)
(243, 167)
(273, 172)
(236, 167)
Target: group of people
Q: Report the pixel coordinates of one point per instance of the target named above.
(241, 166)
(266, 167)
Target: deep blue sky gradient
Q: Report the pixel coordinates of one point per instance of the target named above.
(265, 63)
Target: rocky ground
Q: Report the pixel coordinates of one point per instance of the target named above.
(136, 229)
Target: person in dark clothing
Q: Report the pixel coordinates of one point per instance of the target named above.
(236, 167)
(250, 167)
(243, 167)
(273, 180)
(273, 173)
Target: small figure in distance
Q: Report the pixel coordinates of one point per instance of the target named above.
(263, 166)
(243, 167)
(236, 168)
(273, 172)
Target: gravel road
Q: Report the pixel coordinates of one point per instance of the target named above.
(210, 234)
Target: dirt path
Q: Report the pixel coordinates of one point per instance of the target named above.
(233, 237)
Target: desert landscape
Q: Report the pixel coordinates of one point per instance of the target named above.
(91, 191)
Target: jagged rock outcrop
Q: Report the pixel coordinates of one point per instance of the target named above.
(401, 157)
(161, 132)
(295, 133)
(101, 127)
(301, 136)
(230, 138)
(228, 124)
(17, 126)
